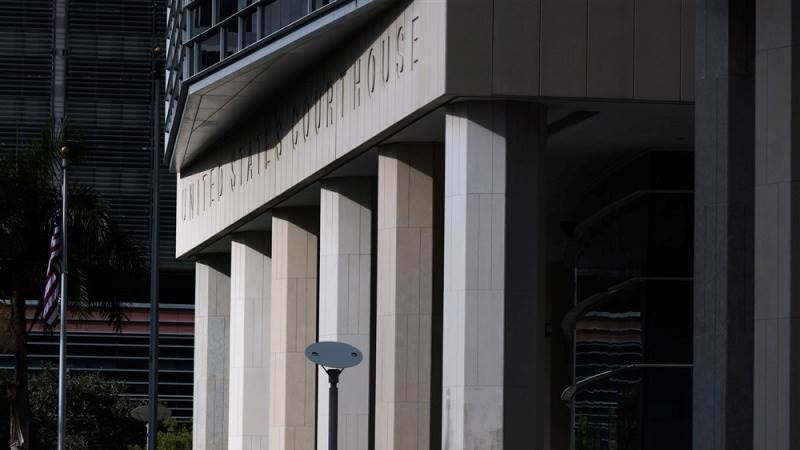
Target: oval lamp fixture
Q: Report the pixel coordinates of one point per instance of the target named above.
(337, 355)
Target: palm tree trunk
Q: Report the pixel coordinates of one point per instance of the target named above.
(20, 406)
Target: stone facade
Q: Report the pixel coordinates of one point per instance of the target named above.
(212, 351)
(345, 301)
(404, 296)
(424, 189)
(293, 326)
(250, 341)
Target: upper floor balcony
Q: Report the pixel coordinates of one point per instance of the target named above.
(212, 42)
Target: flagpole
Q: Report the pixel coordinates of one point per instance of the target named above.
(62, 338)
(155, 181)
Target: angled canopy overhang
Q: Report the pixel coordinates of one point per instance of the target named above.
(212, 101)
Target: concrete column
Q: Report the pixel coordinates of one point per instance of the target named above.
(294, 327)
(404, 296)
(776, 390)
(250, 341)
(723, 252)
(211, 348)
(493, 337)
(344, 302)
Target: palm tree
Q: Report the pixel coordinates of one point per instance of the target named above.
(29, 199)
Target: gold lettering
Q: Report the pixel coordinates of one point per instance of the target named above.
(386, 49)
(211, 186)
(278, 131)
(295, 131)
(414, 39)
(241, 165)
(330, 113)
(191, 200)
(371, 71)
(341, 101)
(306, 119)
(318, 112)
(357, 83)
(266, 160)
(400, 61)
(220, 184)
(305, 112)
(249, 162)
(204, 178)
(265, 148)
(233, 170)
(197, 196)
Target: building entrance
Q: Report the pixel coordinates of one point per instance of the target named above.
(629, 255)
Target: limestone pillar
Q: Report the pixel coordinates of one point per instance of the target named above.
(404, 296)
(345, 302)
(723, 215)
(249, 341)
(211, 347)
(776, 414)
(293, 327)
(493, 337)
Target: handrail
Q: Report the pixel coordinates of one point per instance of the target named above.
(581, 231)
(568, 394)
(572, 316)
(215, 27)
(247, 10)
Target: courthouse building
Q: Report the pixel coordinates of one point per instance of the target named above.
(548, 224)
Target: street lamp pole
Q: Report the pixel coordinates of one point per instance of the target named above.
(333, 408)
(333, 358)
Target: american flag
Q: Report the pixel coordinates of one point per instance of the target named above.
(52, 287)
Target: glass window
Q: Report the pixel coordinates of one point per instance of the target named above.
(230, 39)
(272, 17)
(316, 4)
(189, 61)
(292, 10)
(227, 8)
(201, 17)
(209, 51)
(250, 34)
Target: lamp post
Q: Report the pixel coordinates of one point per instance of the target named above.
(142, 414)
(333, 357)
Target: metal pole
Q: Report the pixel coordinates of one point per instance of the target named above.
(59, 64)
(62, 338)
(152, 433)
(333, 409)
(57, 110)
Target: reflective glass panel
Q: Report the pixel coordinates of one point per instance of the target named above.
(209, 51)
(227, 8)
(271, 18)
(250, 34)
(201, 17)
(296, 9)
(644, 409)
(230, 39)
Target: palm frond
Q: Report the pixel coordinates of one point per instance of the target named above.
(29, 197)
